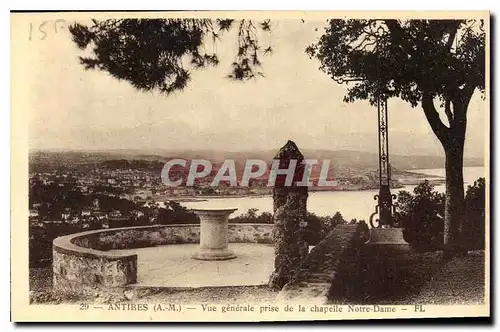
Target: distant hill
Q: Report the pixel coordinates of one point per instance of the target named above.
(370, 160)
(338, 159)
(343, 162)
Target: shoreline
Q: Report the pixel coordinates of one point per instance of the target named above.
(405, 178)
(205, 198)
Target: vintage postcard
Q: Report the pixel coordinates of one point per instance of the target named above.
(250, 166)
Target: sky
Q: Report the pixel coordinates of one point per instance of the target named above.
(75, 109)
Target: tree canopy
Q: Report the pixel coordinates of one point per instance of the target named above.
(403, 58)
(158, 54)
(418, 61)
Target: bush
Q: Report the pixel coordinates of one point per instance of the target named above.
(174, 213)
(252, 217)
(317, 227)
(315, 230)
(421, 216)
(473, 227)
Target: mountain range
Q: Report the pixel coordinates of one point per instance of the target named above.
(342, 162)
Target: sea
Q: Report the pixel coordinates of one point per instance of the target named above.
(351, 204)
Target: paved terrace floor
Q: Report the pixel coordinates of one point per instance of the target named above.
(172, 266)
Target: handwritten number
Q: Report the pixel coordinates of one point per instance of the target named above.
(42, 31)
(59, 21)
(59, 25)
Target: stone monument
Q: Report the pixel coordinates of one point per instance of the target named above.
(290, 218)
(213, 234)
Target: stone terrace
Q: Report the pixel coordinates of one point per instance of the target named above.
(172, 266)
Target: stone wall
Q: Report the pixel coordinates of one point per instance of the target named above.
(138, 237)
(250, 233)
(149, 236)
(323, 274)
(86, 274)
(82, 263)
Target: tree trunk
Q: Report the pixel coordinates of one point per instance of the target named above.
(452, 138)
(454, 198)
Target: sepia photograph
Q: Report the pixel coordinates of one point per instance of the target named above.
(250, 166)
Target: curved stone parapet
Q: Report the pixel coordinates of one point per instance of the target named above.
(80, 270)
(83, 263)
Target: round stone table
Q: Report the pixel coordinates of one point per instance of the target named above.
(213, 234)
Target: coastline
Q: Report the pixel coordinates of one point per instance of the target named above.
(402, 179)
(205, 198)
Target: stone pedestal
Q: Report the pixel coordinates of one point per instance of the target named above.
(386, 236)
(213, 234)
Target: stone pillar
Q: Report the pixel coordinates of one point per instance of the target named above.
(290, 219)
(213, 235)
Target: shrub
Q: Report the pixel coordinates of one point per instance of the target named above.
(317, 227)
(473, 227)
(315, 230)
(174, 213)
(421, 216)
(251, 216)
